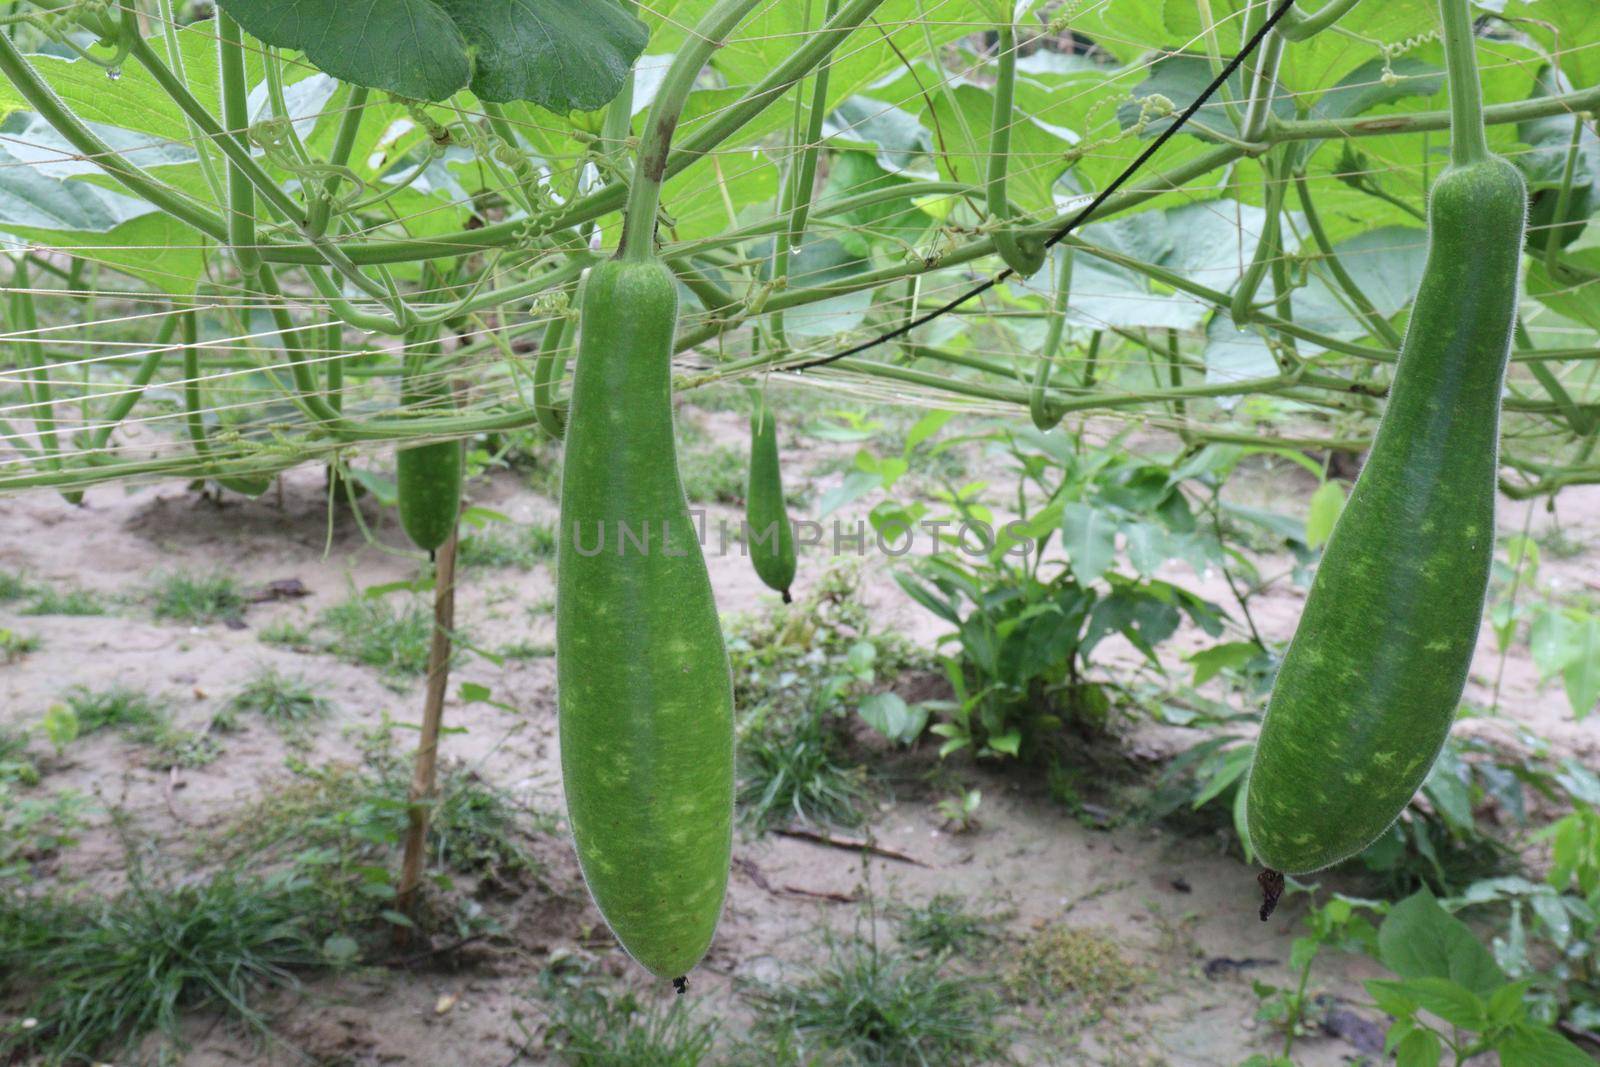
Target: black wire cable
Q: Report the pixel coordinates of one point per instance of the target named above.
(1093, 206)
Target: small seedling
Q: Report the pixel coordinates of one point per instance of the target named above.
(960, 812)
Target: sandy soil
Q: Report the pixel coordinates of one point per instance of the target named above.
(1174, 904)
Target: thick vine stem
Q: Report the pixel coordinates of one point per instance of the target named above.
(236, 117)
(238, 154)
(168, 19)
(1268, 242)
(1264, 86)
(1023, 253)
(344, 142)
(1552, 241)
(644, 198)
(1376, 324)
(1469, 142)
(801, 186)
(1044, 416)
(1299, 26)
(618, 124)
(142, 376)
(25, 322)
(548, 370)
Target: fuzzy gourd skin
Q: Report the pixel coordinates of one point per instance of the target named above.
(646, 700)
(1372, 680)
(429, 492)
(428, 476)
(770, 535)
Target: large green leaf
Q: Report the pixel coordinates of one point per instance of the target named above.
(564, 55)
(1570, 29)
(134, 101)
(1419, 939)
(154, 248)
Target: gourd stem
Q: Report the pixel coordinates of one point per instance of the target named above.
(1468, 142)
(1297, 25)
(25, 322)
(169, 34)
(1000, 132)
(644, 198)
(344, 142)
(801, 186)
(1552, 237)
(235, 149)
(135, 389)
(1264, 83)
(1375, 322)
(193, 408)
(236, 117)
(1039, 408)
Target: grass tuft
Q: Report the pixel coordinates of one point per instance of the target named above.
(13, 586)
(522, 546)
(340, 818)
(118, 707)
(864, 1006)
(50, 601)
(98, 975)
(197, 600)
(944, 926)
(283, 700)
(142, 719)
(14, 645)
(33, 831)
(792, 770)
(714, 475)
(593, 1025)
(372, 631)
(284, 633)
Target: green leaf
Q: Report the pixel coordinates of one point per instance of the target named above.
(1390, 997)
(1326, 504)
(1008, 742)
(564, 55)
(926, 427)
(1232, 768)
(1089, 537)
(1444, 998)
(1377, 82)
(1419, 939)
(340, 950)
(1209, 662)
(1568, 28)
(892, 717)
(1508, 1004)
(1582, 675)
(1149, 546)
(1420, 1048)
(1181, 77)
(1528, 1045)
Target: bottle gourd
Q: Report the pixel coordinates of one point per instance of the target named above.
(1373, 677)
(646, 701)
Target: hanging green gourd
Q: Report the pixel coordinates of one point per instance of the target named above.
(645, 690)
(1373, 678)
(429, 475)
(768, 533)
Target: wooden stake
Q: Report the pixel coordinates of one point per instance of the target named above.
(424, 773)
